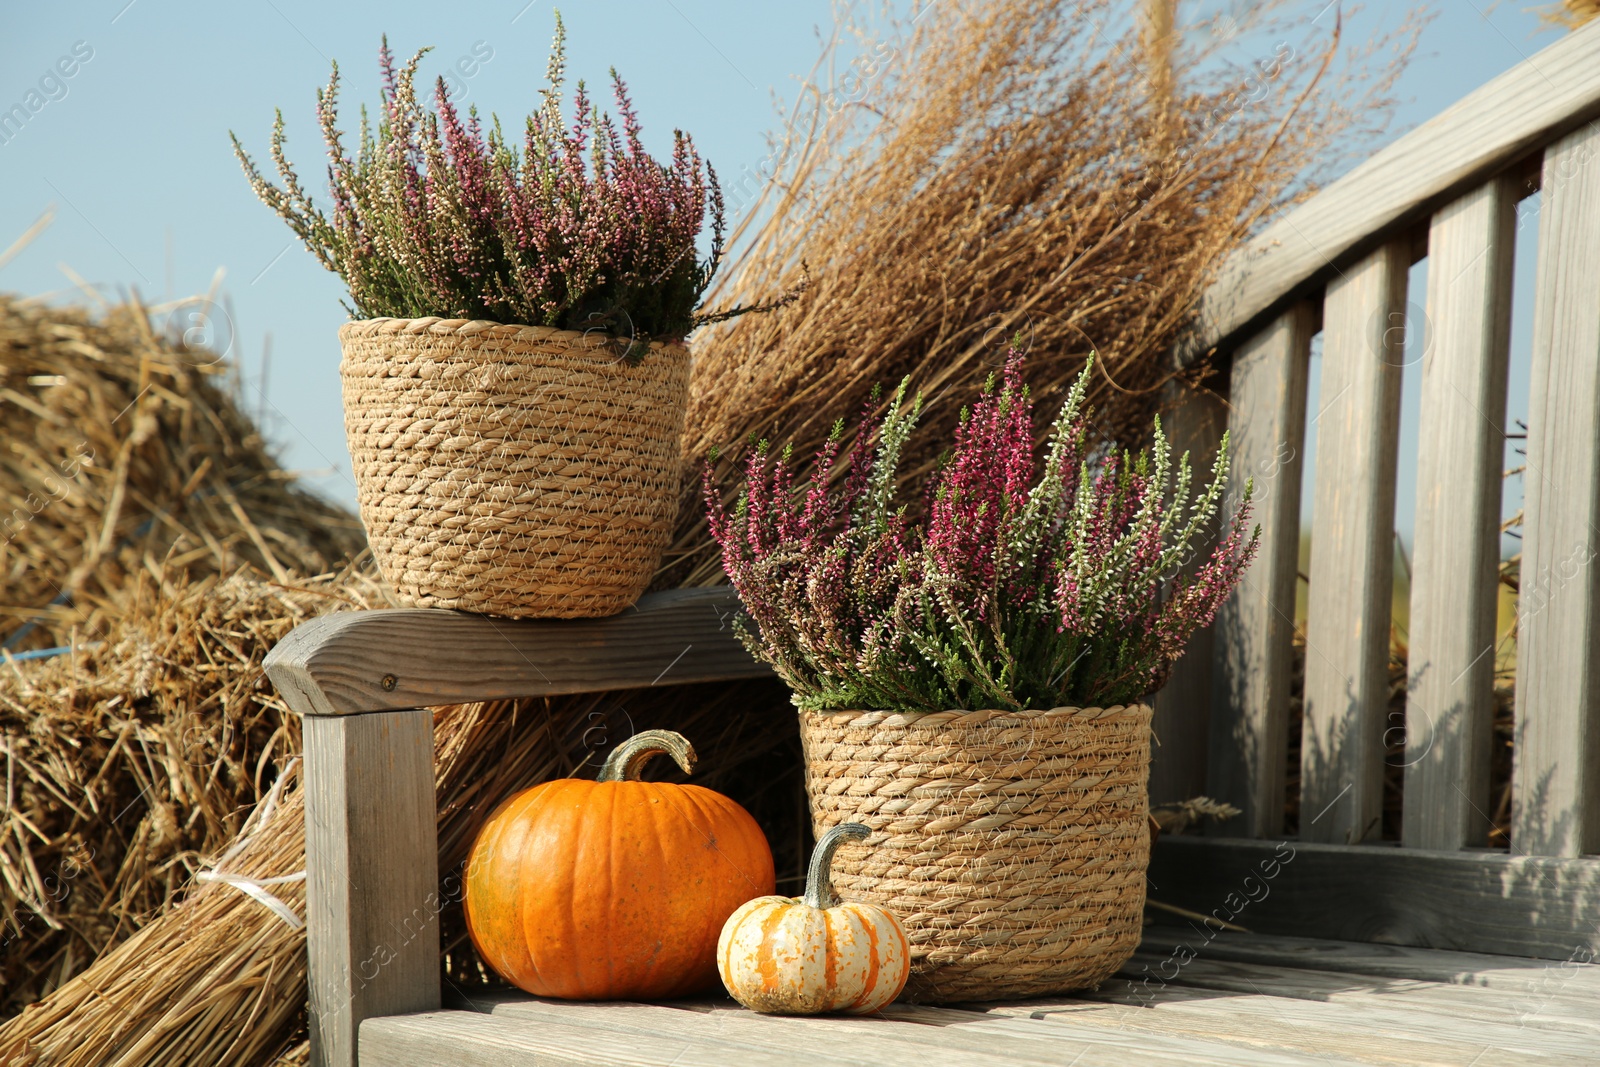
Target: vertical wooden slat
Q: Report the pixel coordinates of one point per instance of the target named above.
(1454, 587)
(372, 907)
(1352, 549)
(1556, 774)
(1254, 629)
(1183, 707)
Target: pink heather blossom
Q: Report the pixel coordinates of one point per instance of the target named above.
(1029, 584)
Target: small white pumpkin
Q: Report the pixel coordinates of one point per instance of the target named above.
(788, 956)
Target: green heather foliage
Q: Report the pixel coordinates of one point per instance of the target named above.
(1026, 585)
(577, 228)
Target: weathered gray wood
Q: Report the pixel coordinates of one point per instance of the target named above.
(374, 660)
(1435, 1003)
(1469, 901)
(1352, 549)
(1248, 743)
(474, 1039)
(1182, 708)
(723, 1021)
(1556, 808)
(902, 1034)
(1366, 1030)
(1455, 585)
(372, 904)
(1460, 148)
(1510, 974)
(1114, 1044)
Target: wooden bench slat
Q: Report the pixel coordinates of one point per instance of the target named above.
(1352, 549)
(1443, 1004)
(1368, 1030)
(1455, 584)
(723, 1021)
(1249, 725)
(1556, 809)
(1541, 906)
(476, 1039)
(902, 1033)
(1508, 973)
(376, 660)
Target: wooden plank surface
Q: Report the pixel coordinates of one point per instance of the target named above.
(374, 660)
(372, 930)
(1468, 901)
(1510, 974)
(1556, 809)
(1554, 91)
(1240, 999)
(940, 1037)
(1352, 549)
(474, 1039)
(1182, 709)
(1438, 1004)
(726, 1022)
(1368, 1031)
(1455, 584)
(1249, 728)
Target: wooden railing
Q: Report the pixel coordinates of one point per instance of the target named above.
(1448, 191)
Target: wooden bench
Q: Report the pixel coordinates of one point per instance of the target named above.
(1339, 263)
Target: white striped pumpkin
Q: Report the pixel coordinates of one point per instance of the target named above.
(788, 956)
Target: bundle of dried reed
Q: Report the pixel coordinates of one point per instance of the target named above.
(123, 450)
(1571, 13)
(985, 169)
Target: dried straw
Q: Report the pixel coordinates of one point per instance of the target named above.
(1570, 13)
(133, 759)
(123, 450)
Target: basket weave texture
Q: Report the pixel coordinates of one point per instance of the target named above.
(512, 470)
(1011, 845)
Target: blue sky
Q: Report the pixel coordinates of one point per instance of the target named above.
(132, 148)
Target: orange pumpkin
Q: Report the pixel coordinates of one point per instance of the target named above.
(613, 889)
(800, 957)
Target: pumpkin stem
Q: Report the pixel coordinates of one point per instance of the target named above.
(819, 880)
(629, 758)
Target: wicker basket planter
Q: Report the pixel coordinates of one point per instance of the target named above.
(512, 470)
(1012, 845)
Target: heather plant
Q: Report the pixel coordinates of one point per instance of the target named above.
(438, 214)
(1027, 582)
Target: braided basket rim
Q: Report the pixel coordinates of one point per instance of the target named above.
(1066, 712)
(438, 326)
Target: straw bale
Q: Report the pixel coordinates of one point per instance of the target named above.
(121, 445)
(134, 758)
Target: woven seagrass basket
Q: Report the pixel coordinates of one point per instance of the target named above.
(510, 470)
(1011, 845)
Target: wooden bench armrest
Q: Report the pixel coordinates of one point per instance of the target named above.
(364, 661)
